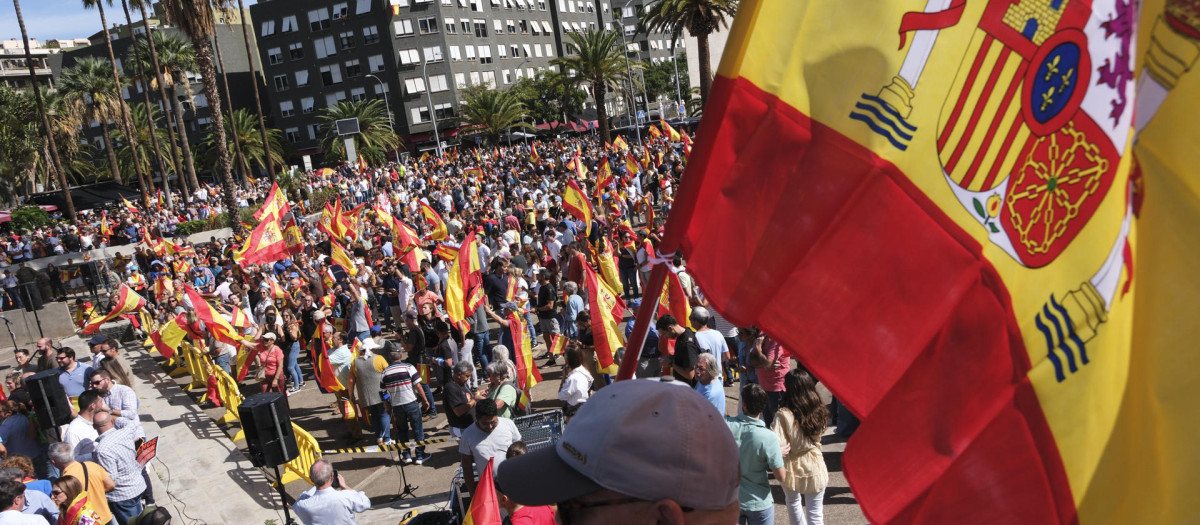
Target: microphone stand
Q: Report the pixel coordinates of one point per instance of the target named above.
(8, 325)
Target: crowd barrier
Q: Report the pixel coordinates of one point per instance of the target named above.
(224, 391)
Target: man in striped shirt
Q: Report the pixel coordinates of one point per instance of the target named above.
(403, 385)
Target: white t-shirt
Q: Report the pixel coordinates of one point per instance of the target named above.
(81, 435)
(489, 446)
(711, 341)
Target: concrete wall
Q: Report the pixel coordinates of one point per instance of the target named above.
(104, 254)
(56, 322)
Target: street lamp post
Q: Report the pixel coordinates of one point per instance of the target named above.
(628, 72)
(678, 93)
(432, 113)
(386, 104)
(518, 69)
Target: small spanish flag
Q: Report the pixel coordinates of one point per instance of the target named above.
(576, 202)
(485, 507)
(168, 338)
(435, 220)
(127, 301)
(558, 344)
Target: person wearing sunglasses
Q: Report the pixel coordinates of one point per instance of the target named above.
(637, 452)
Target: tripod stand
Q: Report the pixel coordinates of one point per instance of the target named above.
(8, 325)
(408, 490)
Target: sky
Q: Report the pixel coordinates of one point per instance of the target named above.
(49, 19)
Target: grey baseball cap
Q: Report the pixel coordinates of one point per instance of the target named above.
(642, 438)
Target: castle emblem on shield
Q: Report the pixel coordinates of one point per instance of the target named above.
(1029, 136)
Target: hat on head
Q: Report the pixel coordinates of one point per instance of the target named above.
(97, 339)
(370, 344)
(269, 335)
(642, 438)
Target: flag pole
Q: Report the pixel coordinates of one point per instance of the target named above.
(633, 347)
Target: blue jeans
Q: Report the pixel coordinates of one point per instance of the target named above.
(381, 422)
(409, 415)
(292, 368)
(123, 510)
(223, 362)
(773, 399)
(361, 336)
(757, 517)
(429, 396)
(531, 322)
(629, 280)
(483, 343)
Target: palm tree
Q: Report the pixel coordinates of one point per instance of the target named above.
(490, 112)
(116, 76)
(595, 59)
(251, 55)
(88, 83)
(41, 107)
(145, 122)
(375, 136)
(237, 147)
(195, 19)
(251, 153)
(699, 17)
(175, 59)
(140, 71)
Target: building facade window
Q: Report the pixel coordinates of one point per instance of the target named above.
(307, 105)
(331, 75)
(444, 111)
(296, 50)
(414, 85)
(281, 83)
(403, 27)
(289, 24)
(325, 47)
(437, 84)
(375, 63)
(370, 35)
(481, 30)
(419, 115)
(358, 94)
(409, 57)
(451, 27)
(268, 28)
(346, 39)
(293, 135)
(353, 69)
(302, 78)
(318, 20)
(434, 54)
(274, 55)
(428, 25)
(286, 109)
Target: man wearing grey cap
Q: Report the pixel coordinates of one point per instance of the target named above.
(638, 451)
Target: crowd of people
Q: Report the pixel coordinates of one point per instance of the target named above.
(380, 322)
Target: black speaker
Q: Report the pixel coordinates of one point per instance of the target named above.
(268, 428)
(50, 402)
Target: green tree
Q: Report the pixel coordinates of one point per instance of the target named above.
(26, 218)
(595, 60)
(89, 84)
(660, 79)
(195, 19)
(41, 109)
(374, 139)
(175, 59)
(699, 18)
(244, 126)
(550, 97)
(492, 112)
(122, 113)
(138, 152)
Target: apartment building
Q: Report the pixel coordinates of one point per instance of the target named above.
(197, 115)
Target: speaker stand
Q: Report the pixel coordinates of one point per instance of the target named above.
(287, 516)
(408, 490)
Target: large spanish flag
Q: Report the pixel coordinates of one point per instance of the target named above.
(265, 245)
(603, 307)
(126, 301)
(527, 371)
(168, 337)
(576, 202)
(946, 234)
(275, 206)
(464, 285)
(436, 224)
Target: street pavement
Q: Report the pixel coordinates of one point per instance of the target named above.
(199, 464)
